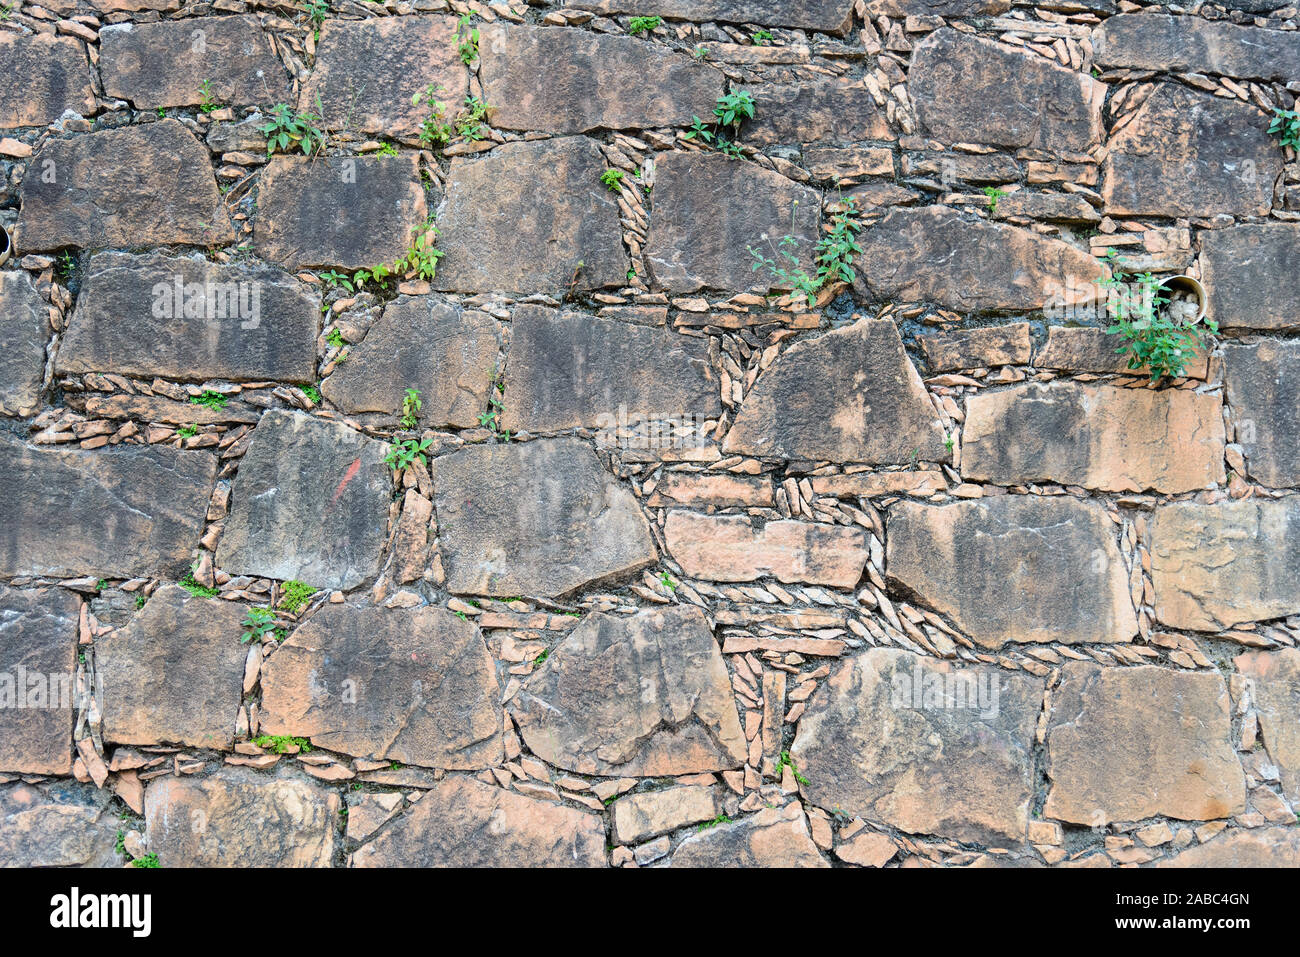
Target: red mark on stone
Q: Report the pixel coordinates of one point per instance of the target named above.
(353, 469)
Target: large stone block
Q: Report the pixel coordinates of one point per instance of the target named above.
(1275, 678)
(59, 824)
(1252, 275)
(1190, 44)
(38, 679)
(42, 75)
(815, 113)
(25, 324)
(1263, 390)
(828, 16)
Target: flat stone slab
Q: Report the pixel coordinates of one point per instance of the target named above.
(119, 513)
(531, 217)
(58, 824)
(936, 254)
(414, 685)
(424, 343)
(646, 814)
(1252, 275)
(163, 64)
(1191, 154)
(103, 190)
(827, 16)
(1195, 45)
(38, 680)
(710, 209)
(570, 81)
(1261, 847)
(850, 395)
(1059, 557)
(174, 674)
(240, 818)
(937, 8)
(535, 518)
(187, 318)
(1125, 744)
(774, 837)
(641, 695)
(568, 370)
(968, 89)
(1275, 676)
(465, 823)
(349, 212)
(368, 72)
(1263, 390)
(1091, 349)
(922, 745)
(1216, 566)
(1117, 440)
(977, 348)
(815, 113)
(728, 548)
(25, 324)
(41, 76)
(310, 502)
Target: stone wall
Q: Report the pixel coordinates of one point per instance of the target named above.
(683, 568)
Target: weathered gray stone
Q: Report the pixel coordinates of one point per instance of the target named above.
(1216, 566)
(818, 112)
(411, 685)
(38, 679)
(1275, 692)
(102, 189)
(977, 348)
(642, 696)
(42, 75)
(25, 321)
(922, 745)
(828, 16)
(709, 210)
(569, 371)
(154, 408)
(166, 63)
(1263, 390)
(774, 837)
(59, 824)
(118, 513)
(1092, 349)
(1277, 847)
(573, 81)
(936, 8)
(878, 412)
(1183, 44)
(1125, 744)
(464, 823)
(531, 217)
(537, 518)
(968, 89)
(1252, 275)
(1017, 568)
(239, 818)
(353, 212)
(310, 503)
(426, 344)
(185, 317)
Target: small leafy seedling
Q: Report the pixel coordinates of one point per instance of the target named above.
(1286, 127)
(295, 596)
(761, 38)
(210, 399)
(639, 25)
(207, 103)
(411, 406)
(287, 131)
(612, 178)
(404, 452)
(259, 622)
(994, 194)
(467, 38)
(280, 743)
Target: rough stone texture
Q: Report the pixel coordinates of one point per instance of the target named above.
(25, 325)
(538, 518)
(1215, 566)
(682, 488)
(1088, 349)
(310, 503)
(165, 64)
(571, 81)
(937, 254)
(1189, 153)
(1252, 275)
(638, 817)
(710, 209)
(922, 745)
(774, 837)
(350, 212)
(41, 76)
(1014, 568)
(572, 371)
(728, 548)
(422, 343)
(1277, 847)
(977, 348)
(937, 8)
(464, 823)
(818, 112)
(102, 190)
(1276, 695)
(415, 686)
(1194, 45)
(1130, 743)
(120, 512)
(972, 90)
(531, 217)
(1263, 391)
(645, 695)
(238, 818)
(828, 16)
(60, 824)
(368, 71)
(1118, 440)
(38, 680)
(174, 674)
(185, 317)
(878, 411)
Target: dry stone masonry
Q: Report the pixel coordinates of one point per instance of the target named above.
(435, 433)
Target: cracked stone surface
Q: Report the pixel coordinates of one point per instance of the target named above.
(38, 679)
